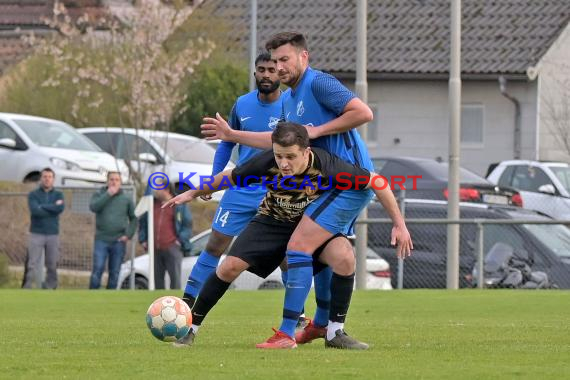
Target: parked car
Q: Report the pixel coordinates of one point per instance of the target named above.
(432, 181)
(548, 246)
(29, 144)
(378, 276)
(156, 151)
(543, 186)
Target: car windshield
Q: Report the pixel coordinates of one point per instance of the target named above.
(186, 150)
(563, 175)
(53, 134)
(554, 236)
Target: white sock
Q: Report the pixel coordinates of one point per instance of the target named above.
(332, 329)
(195, 329)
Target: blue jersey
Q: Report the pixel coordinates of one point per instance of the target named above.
(318, 99)
(248, 114)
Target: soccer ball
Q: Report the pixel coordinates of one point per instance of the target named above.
(169, 318)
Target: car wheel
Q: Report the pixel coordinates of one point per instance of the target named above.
(271, 285)
(141, 283)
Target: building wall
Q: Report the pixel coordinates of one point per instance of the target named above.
(554, 107)
(412, 119)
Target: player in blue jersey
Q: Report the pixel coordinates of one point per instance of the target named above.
(256, 111)
(331, 113)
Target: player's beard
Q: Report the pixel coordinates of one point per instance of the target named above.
(294, 76)
(267, 90)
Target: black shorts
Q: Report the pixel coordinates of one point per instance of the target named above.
(263, 245)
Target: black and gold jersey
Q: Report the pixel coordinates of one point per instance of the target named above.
(288, 196)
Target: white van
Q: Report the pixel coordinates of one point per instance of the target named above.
(152, 151)
(29, 144)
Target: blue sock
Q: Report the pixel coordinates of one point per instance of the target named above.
(300, 276)
(323, 296)
(284, 276)
(204, 267)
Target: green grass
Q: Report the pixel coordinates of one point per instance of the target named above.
(414, 334)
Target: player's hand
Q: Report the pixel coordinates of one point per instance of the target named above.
(216, 128)
(59, 202)
(312, 131)
(123, 239)
(206, 197)
(186, 196)
(401, 237)
(144, 245)
(112, 190)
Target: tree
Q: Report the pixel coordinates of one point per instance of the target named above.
(120, 72)
(214, 88)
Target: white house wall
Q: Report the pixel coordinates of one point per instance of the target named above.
(554, 73)
(416, 114)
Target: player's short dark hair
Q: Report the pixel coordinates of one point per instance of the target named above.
(49, 170)
(296, 40)
(264, 57)
(288, 134)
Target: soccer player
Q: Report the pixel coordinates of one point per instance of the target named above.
(330, 113)
(296, 176)
(257, 111)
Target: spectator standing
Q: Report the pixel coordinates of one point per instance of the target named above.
(115, 224)
(45, 205)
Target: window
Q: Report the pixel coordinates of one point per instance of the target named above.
(529, 178)
(472, 123)
(53, 134)
(6, 132)
(105, 141)
(134, 146)
(507, 176)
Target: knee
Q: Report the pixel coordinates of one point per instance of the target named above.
(299, 244)
(345, 264)
(229, 270)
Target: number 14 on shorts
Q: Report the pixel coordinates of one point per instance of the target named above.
(222, 217)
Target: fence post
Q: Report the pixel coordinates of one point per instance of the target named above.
(133, 247)
(402, 202)
(480, 258)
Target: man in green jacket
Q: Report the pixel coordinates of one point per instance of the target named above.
(45, 205)
(115, 224)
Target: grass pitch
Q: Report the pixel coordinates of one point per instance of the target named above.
(464, 334)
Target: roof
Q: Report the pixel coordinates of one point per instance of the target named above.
(20, 16)
(410, 37)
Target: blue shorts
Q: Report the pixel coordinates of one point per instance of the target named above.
(237, 207)
(337, 210)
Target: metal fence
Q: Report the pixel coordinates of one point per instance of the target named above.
(77, 231)
(543, 243)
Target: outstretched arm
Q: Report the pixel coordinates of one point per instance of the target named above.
(216, 185)
(355, 113)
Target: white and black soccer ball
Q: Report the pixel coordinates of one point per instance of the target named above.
(169, 318)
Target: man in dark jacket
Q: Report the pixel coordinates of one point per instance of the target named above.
(172, 232)
(115, 224)
(45, 205)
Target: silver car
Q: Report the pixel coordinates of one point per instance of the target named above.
(29, 144)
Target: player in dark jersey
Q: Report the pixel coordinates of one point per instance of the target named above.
(331, 113)
(256, 111)
(296, 176)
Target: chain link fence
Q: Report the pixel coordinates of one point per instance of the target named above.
(77, 231)
(485, 230)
